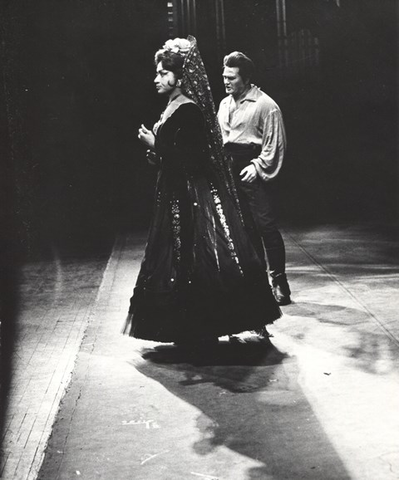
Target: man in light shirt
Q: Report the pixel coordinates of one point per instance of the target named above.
(254, 136)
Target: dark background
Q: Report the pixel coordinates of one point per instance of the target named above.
(78, 82)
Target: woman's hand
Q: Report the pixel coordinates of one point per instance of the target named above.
(248, 174)
(146, 137)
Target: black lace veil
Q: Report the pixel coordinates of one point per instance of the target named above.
(195, 85)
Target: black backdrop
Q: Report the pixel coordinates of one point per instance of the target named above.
(78, 81)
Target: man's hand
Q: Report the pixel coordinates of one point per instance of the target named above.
(146, 137)
(248, 174)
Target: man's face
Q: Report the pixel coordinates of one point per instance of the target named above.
(233, 82)
(165, 81)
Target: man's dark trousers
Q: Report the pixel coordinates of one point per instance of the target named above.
(256, 201)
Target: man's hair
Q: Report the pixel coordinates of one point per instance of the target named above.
(244, 64)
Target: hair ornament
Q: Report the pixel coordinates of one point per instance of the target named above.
(180, 46)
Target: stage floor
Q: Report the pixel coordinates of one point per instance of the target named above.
(322, 402)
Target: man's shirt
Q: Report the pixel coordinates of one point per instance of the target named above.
(255, 120)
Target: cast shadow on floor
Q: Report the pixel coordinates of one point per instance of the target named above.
(358, 335)
(248, 352)
(251, 403)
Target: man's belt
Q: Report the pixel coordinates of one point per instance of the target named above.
(241, 149)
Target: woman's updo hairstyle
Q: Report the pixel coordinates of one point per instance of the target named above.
(172, 54)
(171, 61)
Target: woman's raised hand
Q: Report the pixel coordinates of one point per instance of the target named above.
(146, 137)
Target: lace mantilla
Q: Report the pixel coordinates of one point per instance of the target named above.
(195, 85)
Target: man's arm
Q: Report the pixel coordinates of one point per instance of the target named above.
(270, 160)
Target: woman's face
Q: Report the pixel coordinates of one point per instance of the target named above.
(165, 81)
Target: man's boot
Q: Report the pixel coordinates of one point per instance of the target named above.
(281, 289)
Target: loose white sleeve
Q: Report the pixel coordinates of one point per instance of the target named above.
(270, 160)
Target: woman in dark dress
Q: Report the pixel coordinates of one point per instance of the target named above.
(200, 277)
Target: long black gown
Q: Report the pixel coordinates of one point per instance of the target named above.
(200, 276)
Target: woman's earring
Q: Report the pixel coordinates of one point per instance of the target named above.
(178, 84)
